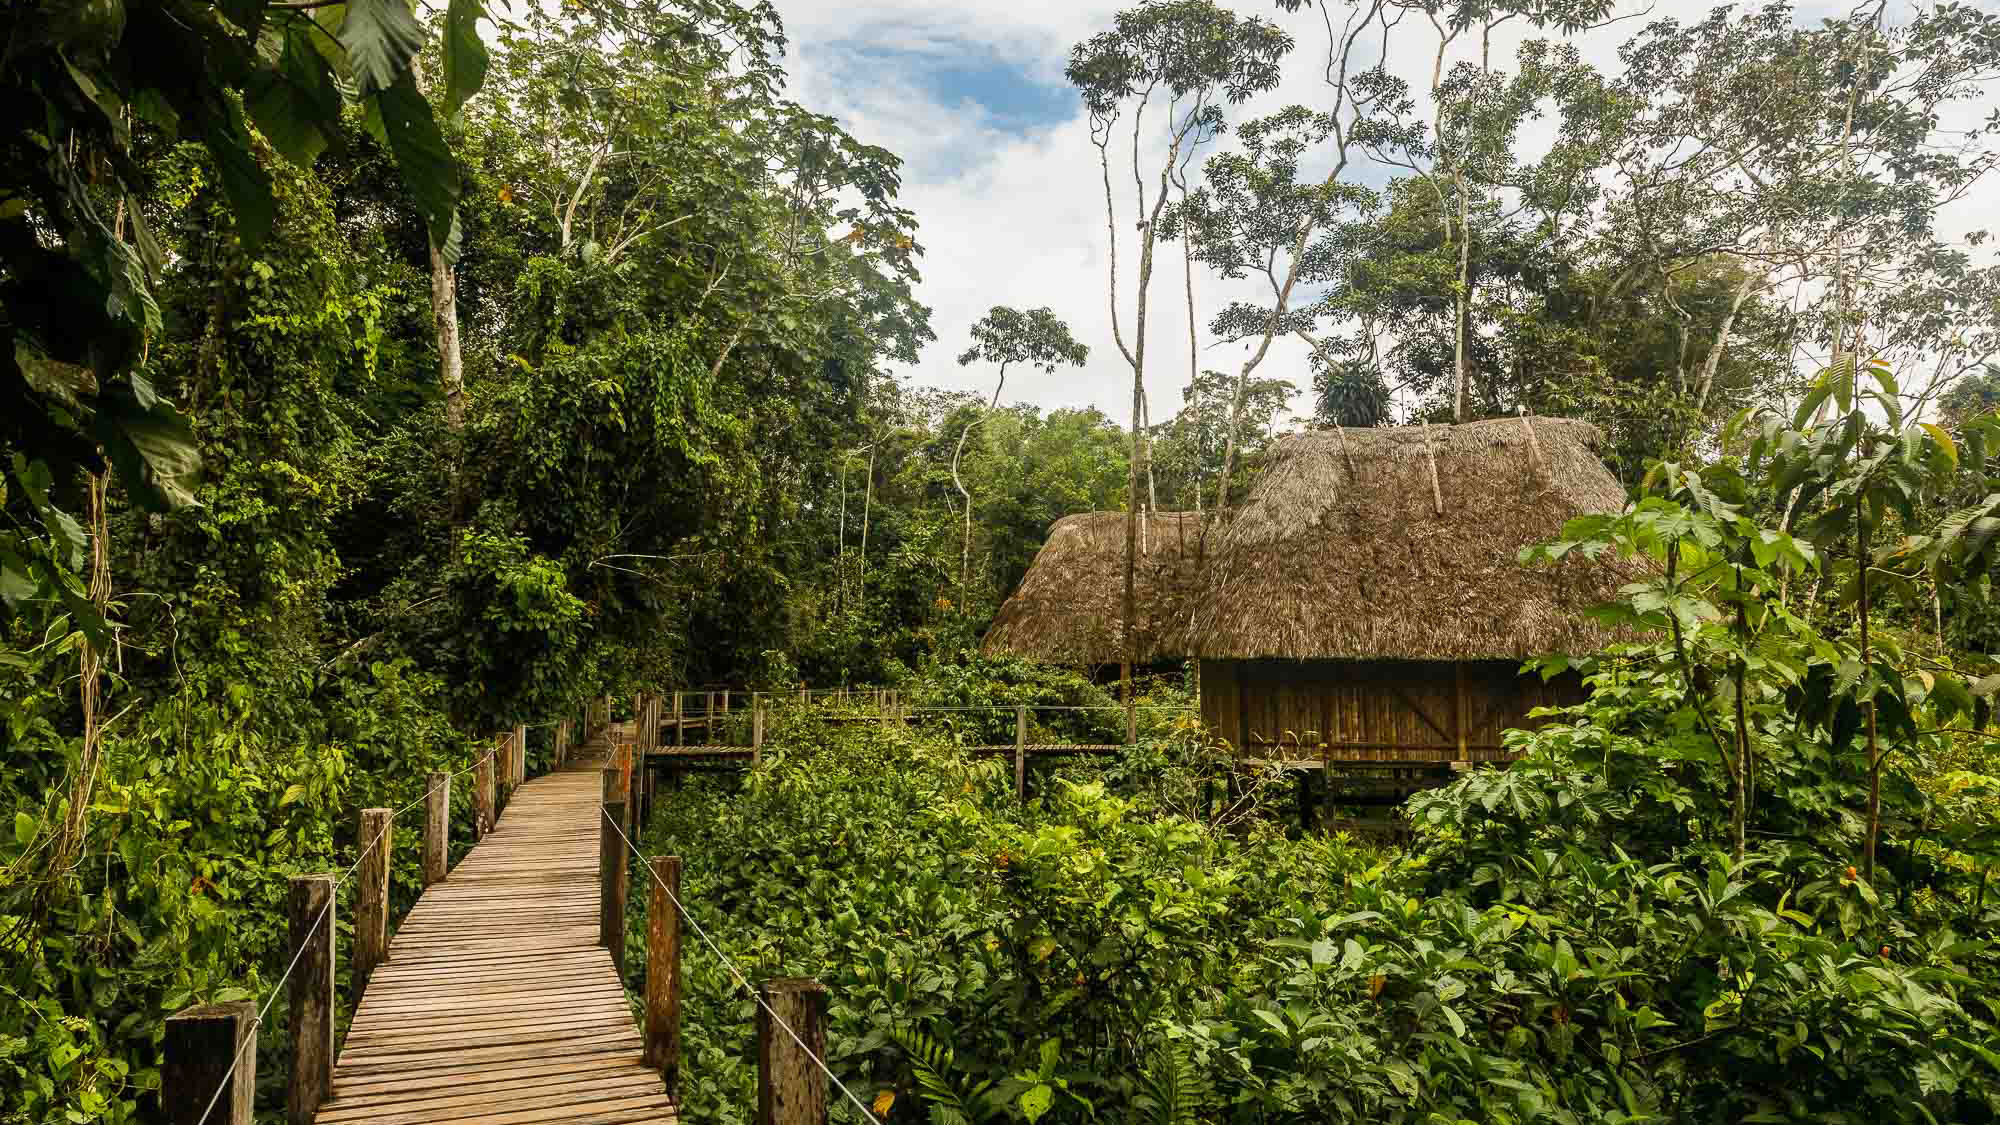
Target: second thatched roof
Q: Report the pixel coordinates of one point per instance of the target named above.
(1341, 551)
(1070, 603)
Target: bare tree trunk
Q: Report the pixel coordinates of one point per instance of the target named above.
(965, 543)
(1874, 747)
(840, 596)
(867, 504)
(1462, 394)
(965, 547)
(444, 315)
(1194, 359)
(1709, 366)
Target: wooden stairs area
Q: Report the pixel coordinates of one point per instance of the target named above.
(497, 1005)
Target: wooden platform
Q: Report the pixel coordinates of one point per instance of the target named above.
(497, 1006)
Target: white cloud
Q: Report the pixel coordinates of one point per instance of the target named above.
(1016, 216)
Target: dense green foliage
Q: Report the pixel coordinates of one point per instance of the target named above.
(1567, 940)
(367, 384)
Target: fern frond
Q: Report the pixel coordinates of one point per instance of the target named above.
(1172, 1091)
(931, 1064)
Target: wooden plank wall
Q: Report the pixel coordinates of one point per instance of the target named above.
(1377, 710)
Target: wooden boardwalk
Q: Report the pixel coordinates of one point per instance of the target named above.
(497, 1006)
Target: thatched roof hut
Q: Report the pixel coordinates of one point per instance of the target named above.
(1070, 603)
(1368, 593)
(1341, 550)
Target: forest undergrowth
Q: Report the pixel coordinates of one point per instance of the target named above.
(1565, 940)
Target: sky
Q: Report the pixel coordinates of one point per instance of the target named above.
(1006, 186)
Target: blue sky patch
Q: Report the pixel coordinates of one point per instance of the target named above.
(956, 74)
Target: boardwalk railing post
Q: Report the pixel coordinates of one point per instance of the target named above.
(756, 733)
(1021, 753)
(521, 754)
(311, 910)
(503, 771)
(371, 897)
(611, 869)
(437, 826)
(635, 784)
(680, 721)
(663, 972)
(202, 1046)
(482, 797)
(790, 1088)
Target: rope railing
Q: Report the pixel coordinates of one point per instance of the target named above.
(612, 815)
(191, 1064)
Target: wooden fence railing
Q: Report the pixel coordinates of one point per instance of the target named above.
(210, 1066)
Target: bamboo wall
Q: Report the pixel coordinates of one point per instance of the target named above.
(1376, 710)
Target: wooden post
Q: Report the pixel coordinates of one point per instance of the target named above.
(680, 722)
(725, 702)
(790, 1088)
(311, 909)
(560, 748)
(635, 785)
(663, 971)
(205, 1047)
(482, 798)
(503, 771)
(521, 754)
(756, 733)
(371, 896)
(437, 826)
(1458, 666)
(804, 697)
(611, 869)
(1021, 753)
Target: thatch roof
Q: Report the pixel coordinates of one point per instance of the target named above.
(1070, 603)
(1339, 551)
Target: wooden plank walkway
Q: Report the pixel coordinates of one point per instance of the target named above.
(497, 1005)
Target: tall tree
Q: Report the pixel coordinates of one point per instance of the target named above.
(1468, 158)
(1191, 55)
(1006, 336)
(1814, 157)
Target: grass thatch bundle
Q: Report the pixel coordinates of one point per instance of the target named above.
(1071, 601)
(1341, 550)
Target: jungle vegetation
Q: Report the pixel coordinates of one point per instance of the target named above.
(373, 375)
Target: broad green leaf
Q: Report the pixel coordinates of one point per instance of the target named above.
(295, 102)
(1943, 440)
(464, 53)
(153, 450)
(1035, 1101)
(382, 38)
(429, 171)
(244, 181)
(1814, 397)
(24, 828)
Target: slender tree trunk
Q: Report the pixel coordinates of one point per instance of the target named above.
(965, 546)
(1706, 382)
(444, 316)
(1130, 612)
(840, 605)
(867, 505)
(1462, 365)
(1742, 772)
(1194, 358)
(1874, 747)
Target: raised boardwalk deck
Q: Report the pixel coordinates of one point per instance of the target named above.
(497, 1005)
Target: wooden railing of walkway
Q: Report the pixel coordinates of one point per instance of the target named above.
(689, 731)
(500, 1000)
